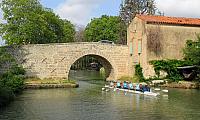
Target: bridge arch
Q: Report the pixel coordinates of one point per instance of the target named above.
(105, 61)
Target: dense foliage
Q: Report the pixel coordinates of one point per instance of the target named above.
(104, 28)
(28, 22)
(192, 51)
(11, 77)
(129, 8)
(138, 73)
(170, 67)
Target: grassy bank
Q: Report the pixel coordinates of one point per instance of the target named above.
(36, 83)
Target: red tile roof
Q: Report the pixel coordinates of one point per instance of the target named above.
(170, 20)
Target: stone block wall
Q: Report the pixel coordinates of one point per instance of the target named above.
(55, 60)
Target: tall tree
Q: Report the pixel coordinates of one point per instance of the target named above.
(79, 36)
(28, 22)
(129, 8)
(68, 32)
(104, 28)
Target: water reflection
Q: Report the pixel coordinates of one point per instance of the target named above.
(88, 102)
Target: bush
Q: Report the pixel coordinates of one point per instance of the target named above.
(169, 66)
(12, 80)
(10, 84)
(17, 70)
(138, 73)
(15, 83)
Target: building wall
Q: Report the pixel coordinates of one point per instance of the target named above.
(136, 34)
(172, 38)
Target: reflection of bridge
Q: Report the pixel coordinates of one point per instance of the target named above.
(55, 60)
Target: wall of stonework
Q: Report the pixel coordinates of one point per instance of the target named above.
(173, 39)
(55, 60)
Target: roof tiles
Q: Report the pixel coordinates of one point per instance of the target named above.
(170, 20)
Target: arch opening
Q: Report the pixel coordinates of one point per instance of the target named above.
(92, 62)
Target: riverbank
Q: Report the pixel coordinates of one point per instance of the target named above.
(165, 83)
(183, 85)
(35, 83)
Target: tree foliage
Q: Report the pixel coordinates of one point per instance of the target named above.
(129, 8)
(27, 21)
(192, 51)
(104, 28)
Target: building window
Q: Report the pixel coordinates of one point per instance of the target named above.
(139, 46)
(134, 27)
(131, 48)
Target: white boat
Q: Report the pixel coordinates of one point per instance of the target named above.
(166, 91)
(138, 92)
(107, 90)
(157, 89)
(106, 86)
(103, 89)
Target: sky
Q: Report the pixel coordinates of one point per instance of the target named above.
(80, 12)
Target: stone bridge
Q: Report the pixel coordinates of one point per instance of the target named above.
(55, 60)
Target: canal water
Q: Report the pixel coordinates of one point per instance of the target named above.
(88, 102)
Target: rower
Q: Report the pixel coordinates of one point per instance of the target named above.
(137, 87)
(144, 88)
(148, 88)
(118, 85)
(125, 85)
(130, 86)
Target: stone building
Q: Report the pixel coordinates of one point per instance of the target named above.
(159, 37)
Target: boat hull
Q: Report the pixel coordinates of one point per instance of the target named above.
(137, 92)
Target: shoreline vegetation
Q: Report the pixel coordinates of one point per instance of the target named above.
(164, 83)
(11, 77)
(36, 83)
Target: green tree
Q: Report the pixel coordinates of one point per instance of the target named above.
(28, 22)
(104, 28)
(68, 32)
(129, 8)
(192, 51)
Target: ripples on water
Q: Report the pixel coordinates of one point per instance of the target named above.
(88, 102)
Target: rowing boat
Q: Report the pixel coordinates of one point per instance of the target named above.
(138, 92)
(131, 91)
